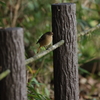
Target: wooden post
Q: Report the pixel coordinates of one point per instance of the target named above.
(65, 57)
(13, 87)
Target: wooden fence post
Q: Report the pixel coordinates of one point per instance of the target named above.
(13, 87)
(65, 57)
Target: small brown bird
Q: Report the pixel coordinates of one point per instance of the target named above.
(45, 40)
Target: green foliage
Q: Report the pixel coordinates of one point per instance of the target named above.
(33, 94)
(2, 3)
(34, 89)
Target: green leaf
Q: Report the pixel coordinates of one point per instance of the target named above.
(83, 70)
(4, 74)
(2, 3)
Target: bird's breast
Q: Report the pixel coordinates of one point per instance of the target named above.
(46, 41)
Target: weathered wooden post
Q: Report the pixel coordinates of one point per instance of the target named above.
(65, 57)
(13, 87)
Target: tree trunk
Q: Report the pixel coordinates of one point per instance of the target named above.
(13, 87)
(65, 57)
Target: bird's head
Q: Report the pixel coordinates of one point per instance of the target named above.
(49, 33)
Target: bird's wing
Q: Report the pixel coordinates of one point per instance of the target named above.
(41, 38)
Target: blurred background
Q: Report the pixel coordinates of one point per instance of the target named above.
(35, 17)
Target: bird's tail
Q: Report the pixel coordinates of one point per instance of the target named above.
(38, 49)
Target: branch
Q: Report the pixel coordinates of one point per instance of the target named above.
(88, 31)
(4, 74)
(17, 6)
(39, 55)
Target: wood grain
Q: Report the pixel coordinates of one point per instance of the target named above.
(13, 87)
(65, 57)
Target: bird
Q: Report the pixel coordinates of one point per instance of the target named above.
(45, 40)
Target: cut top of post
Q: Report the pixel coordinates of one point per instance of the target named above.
(14, 28)
(63, 4)
(11, 29)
